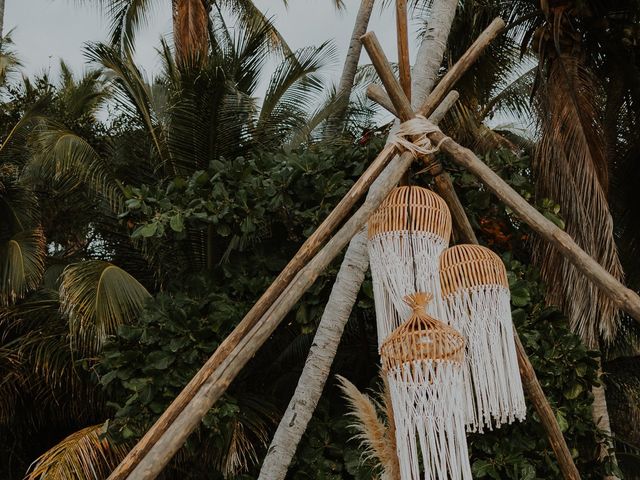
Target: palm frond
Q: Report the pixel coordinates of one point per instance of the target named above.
(9, 61)
(572, 169)
(130, 90)
(294, 87)
(21, 265)
(98, 297)
(127, 16)
(61, 155)
(250, 16)
(84, 455)
(83, 96)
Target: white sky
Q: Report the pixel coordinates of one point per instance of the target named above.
(46, 31)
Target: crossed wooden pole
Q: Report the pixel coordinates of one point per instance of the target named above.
(152, 453)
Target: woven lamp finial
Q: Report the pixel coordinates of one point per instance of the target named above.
(421, 337)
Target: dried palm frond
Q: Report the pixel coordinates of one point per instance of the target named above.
(190, 30)
(83, 455)
(572, 169)
(377, 439)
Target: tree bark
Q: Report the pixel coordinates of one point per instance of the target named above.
(431, 50)
(316, 369)
(1, 18)
(190, 31)
(351, 65)
(600, 414)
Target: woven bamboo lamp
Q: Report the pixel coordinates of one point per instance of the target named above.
(423, 360)
(406, 234)
(476, 299)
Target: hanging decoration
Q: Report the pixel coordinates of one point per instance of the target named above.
(476, 299)
(407, 234)
(423, 361)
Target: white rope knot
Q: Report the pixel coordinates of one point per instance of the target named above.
(412, 136)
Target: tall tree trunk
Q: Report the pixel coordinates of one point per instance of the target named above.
(190, 30)
(1, 18)
(318, 364)
(431, 50)
(351, 65)
(343, 295)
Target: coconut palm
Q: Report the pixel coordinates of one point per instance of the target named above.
(83, 274)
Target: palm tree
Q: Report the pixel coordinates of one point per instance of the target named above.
(71, 277)
(576, 148)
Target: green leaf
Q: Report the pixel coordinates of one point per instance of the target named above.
(176, 223)
(574, 391)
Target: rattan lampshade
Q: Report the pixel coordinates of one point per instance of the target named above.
(476, 296)
(407, 234)
(423, 360)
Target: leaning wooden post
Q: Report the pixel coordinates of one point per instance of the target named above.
(404, 64)
(623, 297)
(310, 247)
(530, 381)
(220, 379)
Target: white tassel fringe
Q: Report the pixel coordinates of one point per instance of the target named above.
(392, 260)
(493, 388)
(427, 400)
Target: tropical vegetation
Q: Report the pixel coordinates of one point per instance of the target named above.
(141, 219)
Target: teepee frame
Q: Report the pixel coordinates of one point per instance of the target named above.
(147, 459)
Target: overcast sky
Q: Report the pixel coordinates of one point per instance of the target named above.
(46, 31)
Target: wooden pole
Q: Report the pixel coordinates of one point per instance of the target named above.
(404, 64)
(377, 94)
(623, 297)
(530, 381)
(220, 379)
(443, 184)
(310, 247)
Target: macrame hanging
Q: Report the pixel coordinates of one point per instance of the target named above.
(407, 234)
(476, 299)
(423, 361)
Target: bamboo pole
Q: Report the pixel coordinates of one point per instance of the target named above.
(377, 94)
(220, 379)
(623, 297)
(443, 184)
(306, 252)
(468, 159)
(404, 64)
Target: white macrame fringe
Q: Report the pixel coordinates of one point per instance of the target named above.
(392, 260)
(427, 399)
(493, 388)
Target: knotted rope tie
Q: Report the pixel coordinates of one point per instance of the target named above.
(413, 136)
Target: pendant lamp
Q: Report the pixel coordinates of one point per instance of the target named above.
(476, 297)
(423, 361)
(406, 235)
